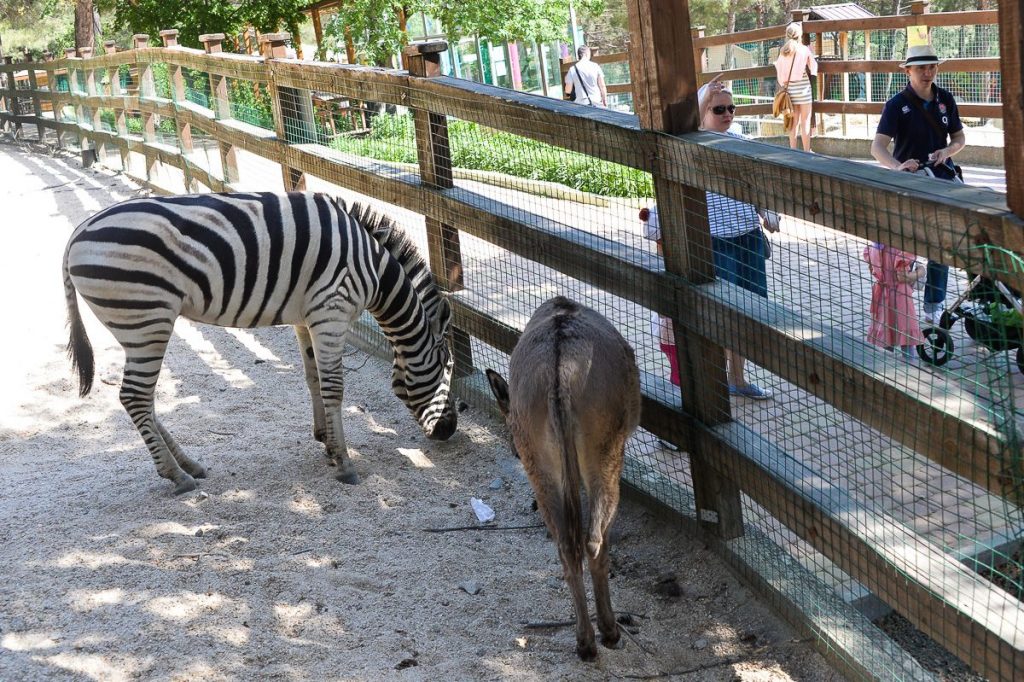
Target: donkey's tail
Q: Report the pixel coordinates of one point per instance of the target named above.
(79, 348)
(572, 515)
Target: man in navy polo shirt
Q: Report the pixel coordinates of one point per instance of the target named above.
(922, 144)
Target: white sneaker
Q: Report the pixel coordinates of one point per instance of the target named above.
(930, 318)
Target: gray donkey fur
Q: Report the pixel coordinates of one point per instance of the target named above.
(571, 402)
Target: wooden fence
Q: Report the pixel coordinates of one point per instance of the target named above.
(932, 414)
(841, 68)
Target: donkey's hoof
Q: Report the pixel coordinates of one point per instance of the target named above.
(349, 477)
(613, 642)
(185, 484)
(587, 651)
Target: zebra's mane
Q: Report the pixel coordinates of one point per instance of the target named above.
(390, 235)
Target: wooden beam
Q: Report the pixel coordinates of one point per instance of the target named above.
(1011, 47)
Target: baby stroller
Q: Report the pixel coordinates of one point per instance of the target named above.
(992, 316)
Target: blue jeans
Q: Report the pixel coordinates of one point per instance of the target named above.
(935, 287)
(741, 260)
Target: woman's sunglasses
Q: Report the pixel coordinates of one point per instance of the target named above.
(722, 108)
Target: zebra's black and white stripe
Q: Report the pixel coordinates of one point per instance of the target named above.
(251, 260)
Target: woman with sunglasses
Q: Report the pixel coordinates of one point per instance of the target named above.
(737, 240)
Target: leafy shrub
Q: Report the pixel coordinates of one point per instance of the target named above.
(392, 138)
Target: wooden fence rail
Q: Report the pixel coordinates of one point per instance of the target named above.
(932, 414)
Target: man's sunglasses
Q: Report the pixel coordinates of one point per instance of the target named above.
(722, 108)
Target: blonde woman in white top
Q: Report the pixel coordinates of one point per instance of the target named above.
(791, 68)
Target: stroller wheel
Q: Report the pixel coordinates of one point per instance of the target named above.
(946, 320)
(1020, 359)
(937, 348)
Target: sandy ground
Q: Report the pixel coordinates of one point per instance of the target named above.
(274, 570)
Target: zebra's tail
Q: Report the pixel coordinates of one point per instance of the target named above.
(79, 348)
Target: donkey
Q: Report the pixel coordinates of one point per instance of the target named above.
(571, 402)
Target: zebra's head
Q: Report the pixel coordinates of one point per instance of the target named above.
(421, 375)
(426, 389)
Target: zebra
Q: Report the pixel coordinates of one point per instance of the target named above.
(253, 260)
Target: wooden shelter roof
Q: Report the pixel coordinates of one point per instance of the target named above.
(842, 10)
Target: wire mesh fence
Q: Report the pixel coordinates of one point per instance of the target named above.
(873, 451)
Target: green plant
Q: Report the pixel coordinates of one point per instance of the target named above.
(1003, 316)
(476, 147)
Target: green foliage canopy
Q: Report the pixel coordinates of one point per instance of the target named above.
(193, 19)
(376, 34)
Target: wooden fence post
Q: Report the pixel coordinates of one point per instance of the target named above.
(93, 114)
(1011, 46)
(184, 130)
(86, 144)
(147, 90)
(221, 105)
(120, 118)
(69, 74)
(37, 107)
(664, 79)
(293, 110)
(434, 153)
(4, 100)
(55, 107)
(12, 95)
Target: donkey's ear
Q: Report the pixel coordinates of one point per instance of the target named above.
(500, 390)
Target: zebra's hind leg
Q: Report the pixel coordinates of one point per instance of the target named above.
(140, 376)
(192, 467)
(313, 382)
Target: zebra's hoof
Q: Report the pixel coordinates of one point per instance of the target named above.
(349, 477)
(320, 435)
(185, 484)
(199, 471)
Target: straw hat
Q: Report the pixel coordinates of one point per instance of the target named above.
(918, 55)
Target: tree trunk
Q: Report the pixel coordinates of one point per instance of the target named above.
(731, 28)
(84, 23)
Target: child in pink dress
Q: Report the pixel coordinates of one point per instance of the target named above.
(893, 314)
(661, 327)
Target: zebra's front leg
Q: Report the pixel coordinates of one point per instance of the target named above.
(137, 398)
(329, 343)
(312, 382)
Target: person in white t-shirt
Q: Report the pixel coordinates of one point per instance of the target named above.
(588, 80)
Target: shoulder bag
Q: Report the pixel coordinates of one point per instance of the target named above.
(783, 104)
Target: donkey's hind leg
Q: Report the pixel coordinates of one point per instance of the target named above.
(602, 485)
(141, 370)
